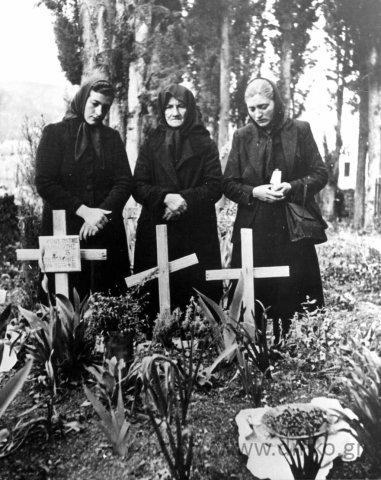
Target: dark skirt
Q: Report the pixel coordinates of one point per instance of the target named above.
(272, 247)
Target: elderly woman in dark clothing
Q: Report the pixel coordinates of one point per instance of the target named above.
(269, 142)
(178, 180)
(82, 168)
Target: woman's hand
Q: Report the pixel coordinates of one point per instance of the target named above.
(87, 231)
(282, 188)
(175, 203)
(266, 193)
(169, 215)
(94, 217)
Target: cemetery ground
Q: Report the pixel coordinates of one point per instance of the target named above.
(316, 360)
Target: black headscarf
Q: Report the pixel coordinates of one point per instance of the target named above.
(87, 134)
(191, 127)
(266, 134)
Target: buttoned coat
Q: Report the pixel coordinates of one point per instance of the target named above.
(66, 183)
(197, 177)
(304, 166)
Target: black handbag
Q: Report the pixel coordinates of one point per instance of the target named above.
(304, 225)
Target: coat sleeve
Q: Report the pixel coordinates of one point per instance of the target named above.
(316, 175)
(123, 182)
(145, 191)
(233, 186)
(48, 165)
(211, 189)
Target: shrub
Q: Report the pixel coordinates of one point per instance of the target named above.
(108, 315)
(9, 229)
(323, 341)
(349, 269)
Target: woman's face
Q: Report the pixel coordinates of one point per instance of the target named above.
(96, 108)
(261, 109)
(175, 113)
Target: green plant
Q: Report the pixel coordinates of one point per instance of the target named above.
(223, 334)
(365, 388)
(193, 323)
(251, 377)
(349, 268)
(122, 314)
(252, 355)
(4, 319)
(12, 339)
(167, 392)
(166, 327)
(57, 339)
(252, 341)
(9, 229)
(167, 386)
(112, 420)
(304, 458)
(158, 378)
(197, 324)
(11, 236)
(13, 386)
(10, 440)
(107, 378)
(320, 341)
(178, 450)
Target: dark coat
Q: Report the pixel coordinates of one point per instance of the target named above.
(197, 177)
(243, 172)
(66, 184)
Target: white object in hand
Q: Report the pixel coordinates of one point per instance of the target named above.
(276, 178)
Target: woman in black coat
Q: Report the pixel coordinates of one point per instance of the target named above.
(269, 142)
(178, 180)
(82, 168)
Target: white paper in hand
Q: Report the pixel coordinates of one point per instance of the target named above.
(276, 178)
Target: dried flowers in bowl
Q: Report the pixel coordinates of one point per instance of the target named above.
(297, 421)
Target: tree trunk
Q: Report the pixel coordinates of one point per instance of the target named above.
(140, 24)
(359, 200)
(286, 62)
(223, 130)
(328, 195)
(374, 117)
(98, 20)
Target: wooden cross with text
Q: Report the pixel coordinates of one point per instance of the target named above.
(248, 273)
(163, 270)
(66, 256)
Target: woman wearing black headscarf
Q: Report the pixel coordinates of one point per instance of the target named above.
(272, 142)
(178, 181)
(82, 168)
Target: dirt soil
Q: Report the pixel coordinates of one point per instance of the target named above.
(86, 455)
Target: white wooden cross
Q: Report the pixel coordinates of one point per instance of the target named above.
(163, 270)
(248, 272)
(59, 232)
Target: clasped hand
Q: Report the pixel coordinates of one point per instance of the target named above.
(94, 220)
(175, 206)
(270, 193)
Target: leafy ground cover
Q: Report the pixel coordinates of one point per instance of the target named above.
(316, 361)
